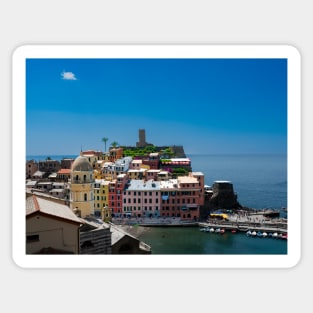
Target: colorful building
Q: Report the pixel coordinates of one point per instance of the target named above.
(116, 188)
(142, 198)
(101, 195)
(81, 187)
(183, 197)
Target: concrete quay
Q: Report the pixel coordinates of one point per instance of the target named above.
(244, 221)
(153, 221)
(245, 227)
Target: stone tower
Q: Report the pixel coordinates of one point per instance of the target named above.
(81, 187)
(142, 139)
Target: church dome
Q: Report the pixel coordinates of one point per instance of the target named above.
(81, 164)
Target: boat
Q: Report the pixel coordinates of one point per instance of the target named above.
(234, 231)
(275, 235)
(284, 236)
(212, 230)
(264, 234)
(222, 231)
(253, 233)
(203, 229)
(217, 230)
(248, 233)
(259, 234)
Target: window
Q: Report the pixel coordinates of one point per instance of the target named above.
(85, 197)
(32, 238)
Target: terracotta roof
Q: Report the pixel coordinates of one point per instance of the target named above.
(37, 204)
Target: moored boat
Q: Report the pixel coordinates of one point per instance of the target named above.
(259, 234)
(284, 236)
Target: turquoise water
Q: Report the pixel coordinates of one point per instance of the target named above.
(190, 240)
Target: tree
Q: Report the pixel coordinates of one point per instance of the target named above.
(105, 139)
(114, 144)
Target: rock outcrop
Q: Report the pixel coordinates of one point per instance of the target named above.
(223, 196)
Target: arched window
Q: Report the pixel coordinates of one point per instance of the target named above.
(84, 178)
(85, 197)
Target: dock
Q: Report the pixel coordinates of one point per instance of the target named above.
(279, 227)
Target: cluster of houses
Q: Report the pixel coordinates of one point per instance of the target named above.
(91, 189)
(110, 185)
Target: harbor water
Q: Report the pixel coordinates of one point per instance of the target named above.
(190, 240)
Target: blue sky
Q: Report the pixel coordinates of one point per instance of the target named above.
(206, 105)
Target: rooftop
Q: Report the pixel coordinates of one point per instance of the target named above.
(36, 204)
(137, 184)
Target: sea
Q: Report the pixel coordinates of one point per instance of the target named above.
(259, 180)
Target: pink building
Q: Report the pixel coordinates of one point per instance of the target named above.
(142, 198)
(183, 197)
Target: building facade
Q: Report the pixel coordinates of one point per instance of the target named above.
(142, 198)
(51, 228)
(116, 188)
(183, 197)
(81, 187)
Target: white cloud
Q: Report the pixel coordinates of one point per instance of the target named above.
(68, 76)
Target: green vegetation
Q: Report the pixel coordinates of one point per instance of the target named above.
(114, 144)
(179, 171)
(139, 152)
(105, 139)
(165, 161)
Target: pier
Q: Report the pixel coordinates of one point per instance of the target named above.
(244, 221)
(244, 227)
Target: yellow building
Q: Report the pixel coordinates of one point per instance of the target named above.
(101, 195)
(81, 187)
